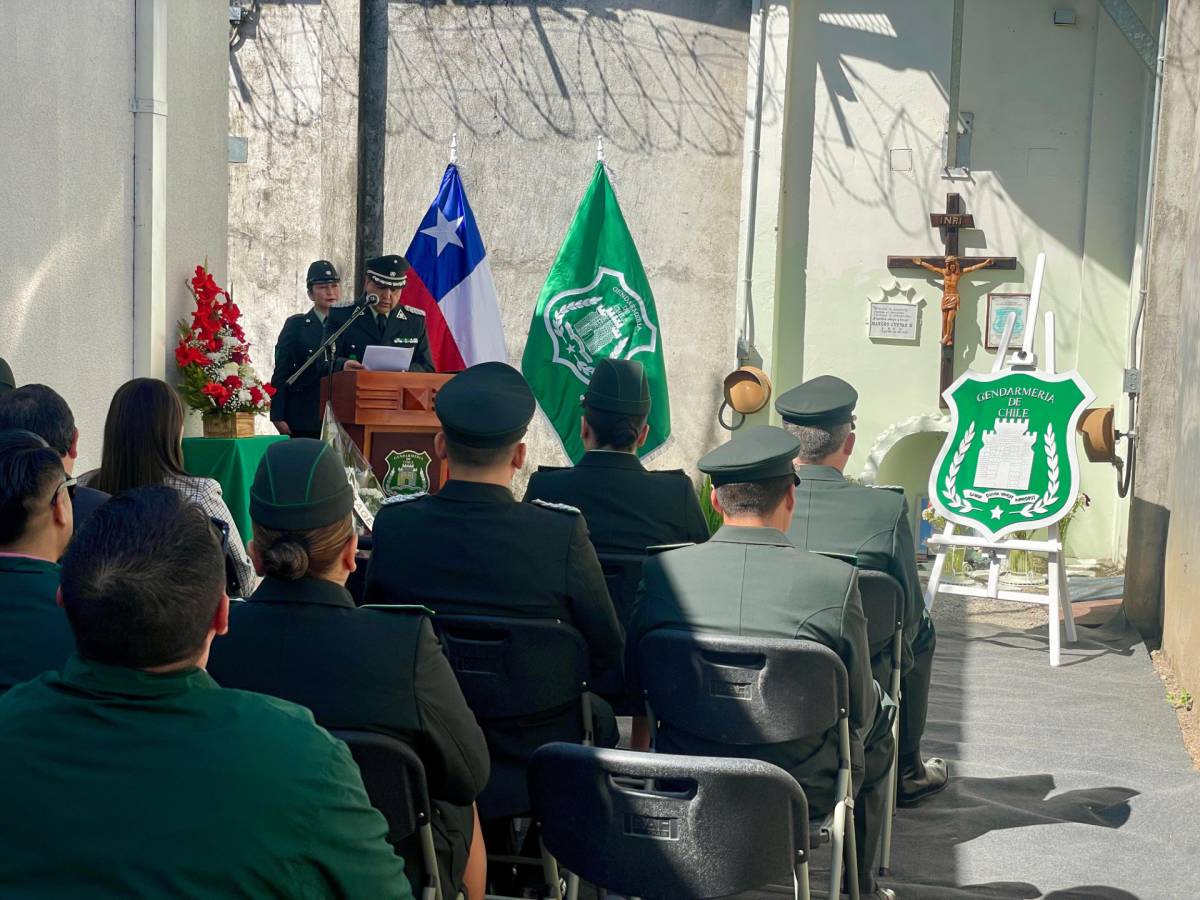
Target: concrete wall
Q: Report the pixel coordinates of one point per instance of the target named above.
(1055, 166)
(67, 163)
(528, 88)
(1177, 233)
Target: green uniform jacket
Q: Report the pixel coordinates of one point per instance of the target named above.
(834, 515)
(122, 784)
(753, 582)
(300, 404)
(34, 634)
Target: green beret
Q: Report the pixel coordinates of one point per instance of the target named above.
(619, 386)
(824, 401)
(756, 454)
(390, 270)
(300, 485)
(487, 405)
(7, 382)
(322, 272)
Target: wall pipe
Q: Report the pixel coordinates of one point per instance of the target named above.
(1125, 478)
(149, 108)
(745, 343)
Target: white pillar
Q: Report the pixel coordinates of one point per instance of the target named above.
(149, 188)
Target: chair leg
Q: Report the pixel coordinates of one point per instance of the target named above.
(550, 873)
(572, 886)
(851, 854)
(889, 811)
(837, 849)
(429, 854)
(803, 891)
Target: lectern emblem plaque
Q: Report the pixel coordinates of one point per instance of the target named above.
(1010, 462)
(408, 472)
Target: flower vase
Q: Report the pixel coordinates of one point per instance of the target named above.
(237, 425)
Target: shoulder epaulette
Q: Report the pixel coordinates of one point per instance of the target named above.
(553, 468)
(561, 507)
(401, 607)
(840, 557)
(666, 548)
(894, 488)
(343, 304)
(403, 498)
(415, 310)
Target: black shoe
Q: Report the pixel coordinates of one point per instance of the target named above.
(916, 787)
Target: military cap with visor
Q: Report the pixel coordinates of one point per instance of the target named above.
(619, 386)
(488, 405)
(823, 401)
(7, 381)
(390, 270)
(300, 485)
(322, 272)
(756, 454)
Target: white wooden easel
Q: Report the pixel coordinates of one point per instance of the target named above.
(1058, 597)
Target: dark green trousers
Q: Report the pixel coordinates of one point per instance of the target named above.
(871, 798)
(914, 691)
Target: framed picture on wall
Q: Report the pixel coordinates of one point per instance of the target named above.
(999, 306)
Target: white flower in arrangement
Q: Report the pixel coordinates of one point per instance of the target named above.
(243, 397)
(246, 373)
(229, 369)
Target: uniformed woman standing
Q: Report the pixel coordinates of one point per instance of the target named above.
(296, 408)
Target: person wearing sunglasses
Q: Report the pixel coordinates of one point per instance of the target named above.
(36, 523)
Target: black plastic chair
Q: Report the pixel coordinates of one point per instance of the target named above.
(511, 668)
(395, 781)
(706, 828)
(622, 573)
(883, 604)
(744, 691)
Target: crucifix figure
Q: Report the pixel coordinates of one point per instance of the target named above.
(951, 267)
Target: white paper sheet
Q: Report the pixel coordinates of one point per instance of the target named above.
(388, 359)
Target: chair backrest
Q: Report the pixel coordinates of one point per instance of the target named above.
(882, 603)
(742, 690)
(514, 667)
(395, 780)
(707, 828)
(622, 572)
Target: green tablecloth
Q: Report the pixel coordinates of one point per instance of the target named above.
(232, 462)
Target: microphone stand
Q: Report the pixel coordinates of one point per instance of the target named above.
(327, 349)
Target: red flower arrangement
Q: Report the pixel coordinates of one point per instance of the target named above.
(215, 374)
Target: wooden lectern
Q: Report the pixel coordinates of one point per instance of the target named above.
(387, 414)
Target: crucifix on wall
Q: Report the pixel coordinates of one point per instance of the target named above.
(952, 268)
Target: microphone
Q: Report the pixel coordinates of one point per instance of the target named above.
(368, 301)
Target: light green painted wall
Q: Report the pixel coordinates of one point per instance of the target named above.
(1056, 163)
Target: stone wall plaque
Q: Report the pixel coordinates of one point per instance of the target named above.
(893, 321)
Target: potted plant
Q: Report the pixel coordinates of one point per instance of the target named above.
(215, 374)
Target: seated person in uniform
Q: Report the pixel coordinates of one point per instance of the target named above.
(627, 507)
(301, 638)
(132, 774)
(143, 445)
(748, 579)
(386, 323)
(835, 515)
(35, 527)
(472, 549)
(37, 408)
(7, 382)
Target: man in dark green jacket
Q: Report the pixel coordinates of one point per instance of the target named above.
(748, 579)
(36, 520)
(835, 515)
(132, 774)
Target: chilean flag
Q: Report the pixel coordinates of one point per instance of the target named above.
(451, 280)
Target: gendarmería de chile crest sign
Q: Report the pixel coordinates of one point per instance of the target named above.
(1010, 462)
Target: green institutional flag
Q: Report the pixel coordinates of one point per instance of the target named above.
(595, 304)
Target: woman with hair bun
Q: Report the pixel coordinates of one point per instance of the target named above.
(301, 638)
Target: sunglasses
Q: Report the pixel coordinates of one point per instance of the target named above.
(70, 484)
(222, 530)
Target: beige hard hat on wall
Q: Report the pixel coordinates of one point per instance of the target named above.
(747, 390)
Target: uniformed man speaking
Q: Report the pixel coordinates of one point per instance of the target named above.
(295, 408)
(387, 322)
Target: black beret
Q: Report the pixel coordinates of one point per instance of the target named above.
(824, 400)
(390, 271)
(7, 382)
(300, 485)
(756, 454)
(322, 272)
(619, 386)
(487, 405)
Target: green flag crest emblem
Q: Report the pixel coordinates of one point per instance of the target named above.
(1010, 461)
(408, 472)
(596, 304)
